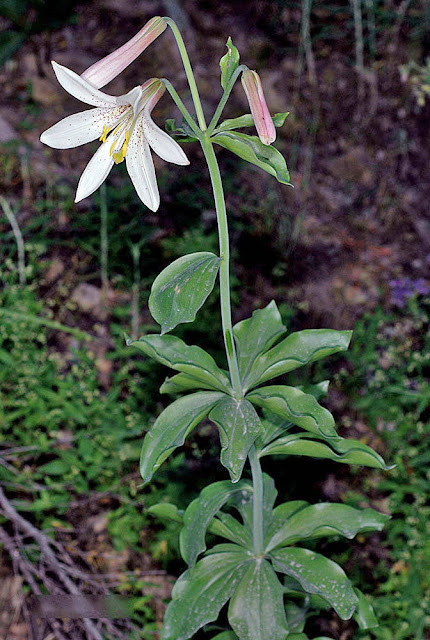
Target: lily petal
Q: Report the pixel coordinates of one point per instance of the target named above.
(81, 128)
(163, 145)
(95, 172)
(140, 168)
(81, 89)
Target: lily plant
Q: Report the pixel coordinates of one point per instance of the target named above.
(261, 565)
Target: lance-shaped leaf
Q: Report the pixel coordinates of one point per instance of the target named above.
(182, 382)
(251, 149)
(229, 63)
(257, 334)
(200, 593)
(364, 614)
(248, 121)
(167, 511)
(223, 524)
(326, 519)
(256, 610)
(299, 408)
(345, 451)
(280, 515)
(225, 635)
(172, 427)
(191, 360)
(296, 350)
(182, 288)
(318, 575)
(226, 526)
(201, 511)
(238, 425)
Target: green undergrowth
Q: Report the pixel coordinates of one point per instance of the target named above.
(387, 378)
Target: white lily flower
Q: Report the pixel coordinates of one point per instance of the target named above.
(124, 125)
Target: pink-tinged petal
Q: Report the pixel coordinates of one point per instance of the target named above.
(96, 171)
(109, 67)
(254, 92)
(163, 145)
(81, 128)
(81, 89)
(141, 170)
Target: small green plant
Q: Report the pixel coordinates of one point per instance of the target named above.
(262, 567)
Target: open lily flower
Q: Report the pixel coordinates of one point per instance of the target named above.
(125, 127)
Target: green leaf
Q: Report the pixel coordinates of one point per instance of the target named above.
(299, 408)
(229, 63)
(296, 617)
(256, 335)
(280, 515)
(200, 593)
(201, 511)
(238, 425)
(319, 575)
(191, 360)
(248, 121)
(325, 519)
(256, 610)
(364, 614)
(298, 349)
(345, 451)
(225, 635)
(172, 427)
(182, 382)
(183, 133)
(182, 288)
(226, 526)
(55, 468)
(251, 149)
(167, 511)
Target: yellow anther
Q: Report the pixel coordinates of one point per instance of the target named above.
(104, 134)
(120, 155)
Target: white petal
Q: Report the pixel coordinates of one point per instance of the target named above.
(80, 88)
(163, 145)
(141, 168)
(95, 172)
(81, 128)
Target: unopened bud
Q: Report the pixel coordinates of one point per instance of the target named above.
(106, 69)
(254, 92)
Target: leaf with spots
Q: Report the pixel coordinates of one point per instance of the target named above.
(196, 364)
(172, 427)
(201, 512)
(238, 425)
(256, 610)
(325, 519)
(318, 575)
(295, 406)
(201, 592)
(296, 350)
(182, 288)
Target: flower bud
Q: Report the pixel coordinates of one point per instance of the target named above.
(106, 69)
(254, 92)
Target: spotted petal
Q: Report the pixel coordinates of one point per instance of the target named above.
(80, 88)
(81, 128)
(163, 145)
(95, 172)
(140, 168)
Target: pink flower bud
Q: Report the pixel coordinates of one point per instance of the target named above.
(106, 69)
(262, 118)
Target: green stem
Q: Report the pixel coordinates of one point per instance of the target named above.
(189, 73)
(225, 97)
(224, 272)
(257, 504)
(182, 108)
